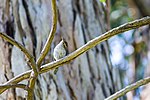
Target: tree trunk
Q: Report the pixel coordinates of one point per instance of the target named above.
(90, 76)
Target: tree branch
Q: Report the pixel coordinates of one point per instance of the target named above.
(129, 88)
(13, 86)
(125, 27)
(17, 79)
(33, 78)
(46, 47)
(84, 48)
(22, 48)
(45, 50)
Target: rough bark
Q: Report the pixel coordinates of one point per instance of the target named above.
(90, 76)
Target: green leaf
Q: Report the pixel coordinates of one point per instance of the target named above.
(102, 0)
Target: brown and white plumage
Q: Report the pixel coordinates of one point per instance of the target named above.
(60, 51)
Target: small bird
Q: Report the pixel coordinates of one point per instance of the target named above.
(60, 51)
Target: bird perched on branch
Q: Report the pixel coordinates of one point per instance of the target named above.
(60, 51)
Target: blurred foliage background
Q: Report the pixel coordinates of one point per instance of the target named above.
(130, 51)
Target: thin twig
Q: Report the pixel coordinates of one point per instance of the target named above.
(95, 41)
(47, 45)
(13, 86)
(22, 48)
(17, 79)
(129, 88)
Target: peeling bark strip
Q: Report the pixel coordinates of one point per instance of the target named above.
(90, 76)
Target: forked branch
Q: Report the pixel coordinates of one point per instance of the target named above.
(22, 48)
(45, 50)
(45, 68)
(48, 43)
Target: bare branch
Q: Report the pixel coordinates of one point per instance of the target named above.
(95, 41)
(33, 78)
(46, 47)
(45, 50)
(129, 88)
(84, 48)
(13, 86)
(22, 48)
(17, 79)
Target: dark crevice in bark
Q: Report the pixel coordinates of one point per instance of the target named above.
(109, 70)
(99, 13)
(96, 9)
(18, 23)
(71, 91)
(76, 11)
(101, 17)
(38, 89)
(6, 75)
(59, 18)
(78, 6)
(84, 15)
(9, 29)
(48, 89)
(111, 90)
(92, 78)
(15, 95)
(84, 34)
(103, 89)
(74, 42)
(33, 35)
(9, 58)
(80, 73)
(74, 19)
(52, 78)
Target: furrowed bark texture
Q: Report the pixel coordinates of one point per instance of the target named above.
(90, 76)
(5, 48)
